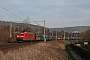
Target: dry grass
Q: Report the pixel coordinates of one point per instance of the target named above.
(41, 51)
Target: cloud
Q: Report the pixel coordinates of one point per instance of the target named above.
(57, 13)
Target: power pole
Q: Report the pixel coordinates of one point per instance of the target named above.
(52, 33)
(44, 32)
(64, 35)
(10, 32)
(44, 29)
(56, 34)
(71, 35)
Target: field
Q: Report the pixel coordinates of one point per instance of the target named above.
(52, 50)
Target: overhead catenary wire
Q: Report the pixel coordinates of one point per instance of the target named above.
(1, 17)
(16, 8)
(2, 14)
(10, 12)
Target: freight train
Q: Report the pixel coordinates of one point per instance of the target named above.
(27, 36)
(70, 38)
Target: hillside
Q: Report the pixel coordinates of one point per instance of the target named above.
(69, 29)
(72, 29)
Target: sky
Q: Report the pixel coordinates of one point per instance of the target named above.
(56, 13)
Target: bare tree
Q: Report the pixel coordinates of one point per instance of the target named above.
(87, 34)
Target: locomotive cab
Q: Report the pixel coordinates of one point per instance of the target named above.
(20, 36)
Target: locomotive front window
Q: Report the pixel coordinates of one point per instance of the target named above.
(22, 34)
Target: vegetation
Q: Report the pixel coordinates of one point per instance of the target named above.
(67, 43)
(87, 34)
(52, 50)
(70, 57)
(5, 31)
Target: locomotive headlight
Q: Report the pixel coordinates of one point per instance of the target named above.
(22, 36)
(17, 36)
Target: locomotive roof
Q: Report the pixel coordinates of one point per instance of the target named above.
(29, 32)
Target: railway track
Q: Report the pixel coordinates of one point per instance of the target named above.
(12, 46)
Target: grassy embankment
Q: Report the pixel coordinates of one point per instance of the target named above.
(70, 57)
(52, 50)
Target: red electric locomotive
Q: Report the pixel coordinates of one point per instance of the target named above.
(26, 36)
